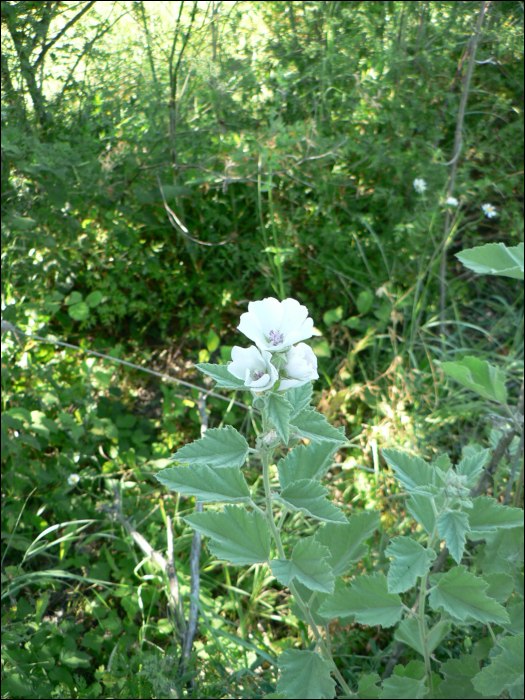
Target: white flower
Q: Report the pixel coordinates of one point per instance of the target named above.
(275, 325)
(489, 211)
(419, 185)
(452, 202)
(253, 366)
(73, 479)
(300, 367)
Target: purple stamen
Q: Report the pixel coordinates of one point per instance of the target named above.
(275, 338)
(257, 374)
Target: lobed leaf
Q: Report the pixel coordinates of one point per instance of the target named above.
(308, 564)
(472, 466)
(487, 516)
(314, 426)
(308, 496)
(206, 484)
(220, 373)
(479, 376)
(220, 447)
(367, 599)
(345, 542)
(500, 587)
(305, 674)
(420, 508)
(411, 472)
(463, 596)
(453, 527)
(299, 398)
(279, 410)
(458, 675)
(237, 536)
(306, 462)
(505, 672)
(504, 551)
(494, 259)
(408, 633)
(403, 687)
(410, 562)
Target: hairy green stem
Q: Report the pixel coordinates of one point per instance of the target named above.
(423, 631)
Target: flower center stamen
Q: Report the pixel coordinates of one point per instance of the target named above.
(275, 338)
(258, 374)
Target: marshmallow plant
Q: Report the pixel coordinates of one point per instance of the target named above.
(444, 501)
(250, 529)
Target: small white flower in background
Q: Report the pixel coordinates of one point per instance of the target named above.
(419, 185)
(489, 211)
(253, 366)
(275, 325)
(452, 202)
(73, 479)
(300, 367)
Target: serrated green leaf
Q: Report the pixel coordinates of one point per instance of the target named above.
(403, 687)
(494, 259)
(420, 508)
(408, 633)
(237, 536)
(472, 466)
(505, 672)
(410, 562)
(488, 516)
(479, 376)
(458, 675)
(453, 527)
(308, 496)
(515, 610)
(504, 551)
(308, 565)
(413, 669)
(443, 462)
(304, 674)
(367, 599)
(368, 686)
(220, 374)
(206, 484)
(314, 426)
(345, 542)
(411, 472)
(220, 447)
(463, 596)
(279, 414)
(300, 398)
(500, 584)
(306, 462)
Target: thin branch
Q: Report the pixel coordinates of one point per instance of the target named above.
(195, 555)
(177, 224)
(64, 29)
(6, 326)
(474, 40)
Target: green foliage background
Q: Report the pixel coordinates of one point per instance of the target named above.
(285, 138)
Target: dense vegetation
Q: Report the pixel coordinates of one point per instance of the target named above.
(164, 164)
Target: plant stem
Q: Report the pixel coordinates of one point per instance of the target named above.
(265, 457)
(423, 631)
